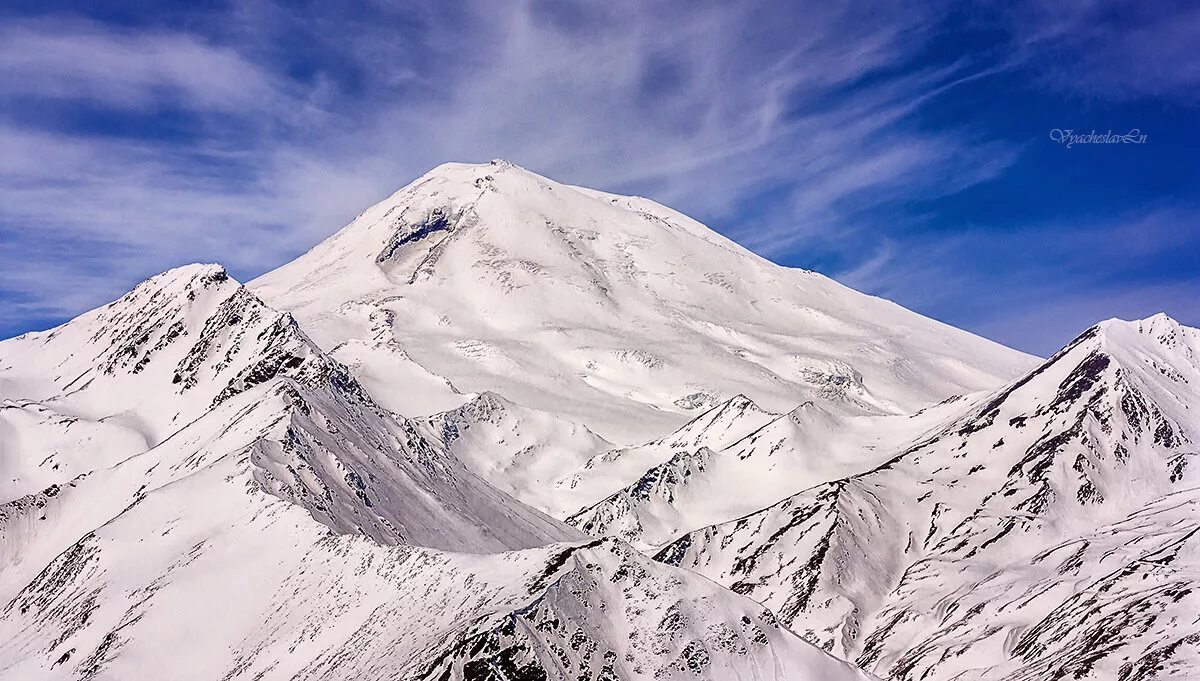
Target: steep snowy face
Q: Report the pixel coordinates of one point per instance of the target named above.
(360, 470)
(1048, 532)
(615, 312)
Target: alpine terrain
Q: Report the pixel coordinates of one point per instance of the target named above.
(503, 428)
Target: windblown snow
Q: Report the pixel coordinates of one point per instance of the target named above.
(504, 428)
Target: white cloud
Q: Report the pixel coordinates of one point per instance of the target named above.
(73, 59)
(704, 107)
(698, 108)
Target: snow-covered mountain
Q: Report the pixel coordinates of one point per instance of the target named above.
(181, 346)
(289, 527)
(384, 460)
(124, 377)
(614, 312)
(1048, 532)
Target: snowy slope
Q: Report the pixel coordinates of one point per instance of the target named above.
(610, 471)
(124, 377)
(182, 549)
(1048, 532)
(282, 531)
(652, 492)
(712, 479)
(614, 312)
(384, 368)
(523, 451)
(562, 467)
(200, 340)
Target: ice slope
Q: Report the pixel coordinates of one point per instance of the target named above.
(1048, 532)
(282, 532)
(616, 313)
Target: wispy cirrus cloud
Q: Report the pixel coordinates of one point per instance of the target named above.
(827, 137)
(699, 108)
(1112, 49)
(1032, 284)
(77, 59)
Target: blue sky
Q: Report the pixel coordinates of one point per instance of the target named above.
(903, 148)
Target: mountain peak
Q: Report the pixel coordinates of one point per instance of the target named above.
(1158, 341)
(488, 269)
(457, 176)
(170, 350)
(180, 279)
(1160, 327)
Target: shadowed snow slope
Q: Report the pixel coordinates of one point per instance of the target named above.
(615, 312)
(1049, 532)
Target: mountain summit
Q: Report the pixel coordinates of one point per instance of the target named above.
(613, 311)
